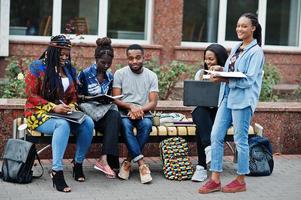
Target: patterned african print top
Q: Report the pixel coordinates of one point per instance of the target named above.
(36, 106)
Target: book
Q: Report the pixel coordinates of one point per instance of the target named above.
(227, 74)
(102, 98)
(75, 116)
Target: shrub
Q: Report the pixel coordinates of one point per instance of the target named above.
(168, 75)
(15, 73)
(271, 77)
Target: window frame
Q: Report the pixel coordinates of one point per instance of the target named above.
(102, 26)
(221, 31)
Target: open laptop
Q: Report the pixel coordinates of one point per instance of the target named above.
(200, 93)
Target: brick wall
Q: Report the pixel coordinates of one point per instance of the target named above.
(281, 123)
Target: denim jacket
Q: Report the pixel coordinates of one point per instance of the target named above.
(245, 92)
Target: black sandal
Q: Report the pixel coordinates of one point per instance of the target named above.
(78, 173)
(59, 181)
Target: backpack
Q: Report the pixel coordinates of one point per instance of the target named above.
(261, 158)
(176, 163)
(18, 159)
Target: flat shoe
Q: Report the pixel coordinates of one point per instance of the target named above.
(105, 169)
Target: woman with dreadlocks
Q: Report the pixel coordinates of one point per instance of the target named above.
(51, 87)
(96, 80)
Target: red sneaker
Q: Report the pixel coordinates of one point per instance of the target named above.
(234, 186)
(210, 186)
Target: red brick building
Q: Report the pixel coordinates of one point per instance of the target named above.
(168, 29)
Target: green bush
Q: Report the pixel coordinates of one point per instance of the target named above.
(168, 75)
(271, 77)
(15, 73)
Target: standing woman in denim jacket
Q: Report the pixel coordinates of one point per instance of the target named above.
(237, 102)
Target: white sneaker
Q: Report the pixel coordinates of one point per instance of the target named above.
(208, 154)
(200, 174)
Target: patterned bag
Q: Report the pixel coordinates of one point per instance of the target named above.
(176, 163)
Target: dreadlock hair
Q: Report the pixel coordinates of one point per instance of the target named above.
(254, 21)
(134, 47)
(104, 47)
(52, 88)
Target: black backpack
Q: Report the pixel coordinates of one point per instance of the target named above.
(261, 158)
(18, 159)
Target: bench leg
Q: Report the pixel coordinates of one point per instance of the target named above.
(43, 149)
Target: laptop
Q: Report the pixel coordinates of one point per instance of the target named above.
(200, 93)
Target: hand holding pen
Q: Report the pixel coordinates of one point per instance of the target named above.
(62, 108)
(68, 108)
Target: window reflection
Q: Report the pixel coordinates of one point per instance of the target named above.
(126, 19)
(283, 22)
(31, 17)
(80, 17)
(200, 20)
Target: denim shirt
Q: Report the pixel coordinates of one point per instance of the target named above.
(88, 84)
(244, 92)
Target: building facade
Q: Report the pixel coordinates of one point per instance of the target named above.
(168, 29)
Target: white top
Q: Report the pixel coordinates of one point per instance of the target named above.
(65, 83)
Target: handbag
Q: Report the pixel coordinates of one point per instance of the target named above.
(18, 159)
(95, 109)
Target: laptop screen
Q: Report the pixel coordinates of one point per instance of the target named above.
(200, 93)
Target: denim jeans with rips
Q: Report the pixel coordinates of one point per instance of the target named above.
(240, 119)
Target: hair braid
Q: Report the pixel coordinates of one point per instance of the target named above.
(254, 20)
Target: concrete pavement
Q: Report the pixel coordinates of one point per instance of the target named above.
(284, 183)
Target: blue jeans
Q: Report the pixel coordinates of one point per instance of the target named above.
(225, 117)
(136, 143)
(60, 131)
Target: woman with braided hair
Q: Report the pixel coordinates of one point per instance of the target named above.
(95, 80)
(238, 98)
(51, 87)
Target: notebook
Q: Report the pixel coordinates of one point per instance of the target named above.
(76, 116)
(200, 93)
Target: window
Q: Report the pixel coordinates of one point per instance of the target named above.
(32, 17)
(200, 20)
(282, 24)
(80, 17)
(127, 21)
(207, 21)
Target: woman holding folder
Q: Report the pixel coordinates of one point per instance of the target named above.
(51, 87)
(203, 117)
(237, 102)
(97, 80)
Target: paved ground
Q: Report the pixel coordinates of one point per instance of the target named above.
(284, 183)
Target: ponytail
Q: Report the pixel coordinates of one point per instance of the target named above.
(254, 20)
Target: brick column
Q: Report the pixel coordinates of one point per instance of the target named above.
(167, 26)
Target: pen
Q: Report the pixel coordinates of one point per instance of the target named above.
(65, 105)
